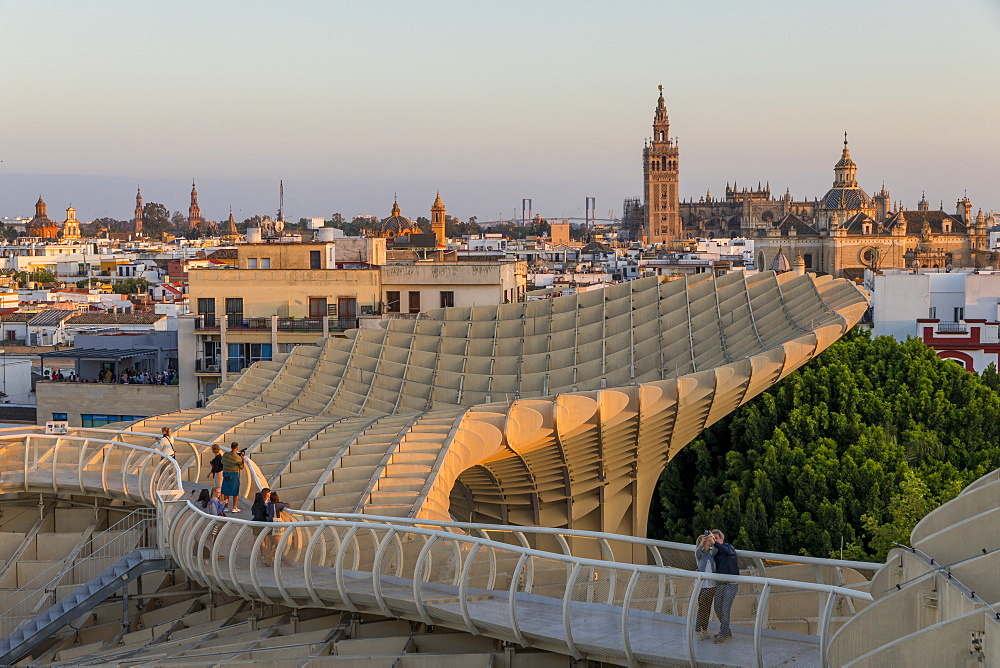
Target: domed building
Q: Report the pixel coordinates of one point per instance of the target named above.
(41, 225)
(780, 263)
(397, 225)
(845, 199)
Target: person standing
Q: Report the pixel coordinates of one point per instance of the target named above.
(704, 555)
(216, 465)
(726, 563)
(165, 443)
(232, 464)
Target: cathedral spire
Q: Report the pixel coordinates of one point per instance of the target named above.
(194, 211)
(846, 172)
(661, 220)
(137, 220)
(661, 122)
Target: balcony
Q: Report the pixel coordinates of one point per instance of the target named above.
(208, 366)
(952, 327)
(208, 323)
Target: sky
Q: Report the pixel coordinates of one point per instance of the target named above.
(350, 103)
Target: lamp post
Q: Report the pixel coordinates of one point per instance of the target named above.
(3, 363)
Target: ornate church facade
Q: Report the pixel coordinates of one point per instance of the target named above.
(842, 233)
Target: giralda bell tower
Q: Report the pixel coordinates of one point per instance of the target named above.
(660, 156)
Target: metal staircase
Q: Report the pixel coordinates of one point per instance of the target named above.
(91, 594)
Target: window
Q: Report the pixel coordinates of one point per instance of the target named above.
(242, 355)
(447, 298)
(212, 351)
(932, 312)
(414, 302)
(99, 419)
(234, 311)
(206, 309)
(265, 263)
(317, 307)
(251, 263)
(959, 313)
(60, 416)
(392, 301)
(808, 259)
(347, 308)
(315, 258)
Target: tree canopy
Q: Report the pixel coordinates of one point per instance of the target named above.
(155, 219)
(856, 446)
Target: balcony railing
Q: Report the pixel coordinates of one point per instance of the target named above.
(302, 324)
(311, 324)
(952, 327)
(206, 365)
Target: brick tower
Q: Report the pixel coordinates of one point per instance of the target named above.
(662, 220)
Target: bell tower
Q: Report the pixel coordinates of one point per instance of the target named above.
(137, 221)
(662, 220)
(194, 211)
(438, 221)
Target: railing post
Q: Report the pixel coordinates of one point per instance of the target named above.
(463, 589)
(339, 569)
(377, 572)
(307, 563)
(512, 599)
(567, 599)
(688, 625)
(254, 554)
(27, 447)
(824, 629)
(276, 564)
(626, 641)
(758, 625)
(79, 465)
(418, 578)
(55, 467)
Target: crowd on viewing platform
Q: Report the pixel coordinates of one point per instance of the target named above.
(126, 377)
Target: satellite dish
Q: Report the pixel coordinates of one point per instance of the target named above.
(279, 226)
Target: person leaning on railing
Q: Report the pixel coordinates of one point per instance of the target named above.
(704, 555)
(232, 463)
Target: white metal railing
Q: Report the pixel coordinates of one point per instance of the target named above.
(192, 466)
(617, 547)
(135, 530)
(631, 611)
(569, 603)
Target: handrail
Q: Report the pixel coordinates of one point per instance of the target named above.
(71, 564)
(532, 552)
(578, 533)
(349, 552)
(255, 476)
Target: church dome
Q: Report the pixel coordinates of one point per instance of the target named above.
(780, 263)
(396, 224)
(846, 198)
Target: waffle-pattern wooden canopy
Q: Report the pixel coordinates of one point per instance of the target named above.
(559, 413)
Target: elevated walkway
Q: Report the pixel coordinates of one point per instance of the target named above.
(613, 611)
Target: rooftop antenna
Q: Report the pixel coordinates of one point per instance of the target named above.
(281, 200)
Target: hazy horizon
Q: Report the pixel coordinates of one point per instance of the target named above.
(351, 104)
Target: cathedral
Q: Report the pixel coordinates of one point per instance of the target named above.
(842, 233)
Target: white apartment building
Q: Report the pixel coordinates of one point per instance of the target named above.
(956, 313)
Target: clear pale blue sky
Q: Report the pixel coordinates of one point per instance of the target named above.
(349, 102)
